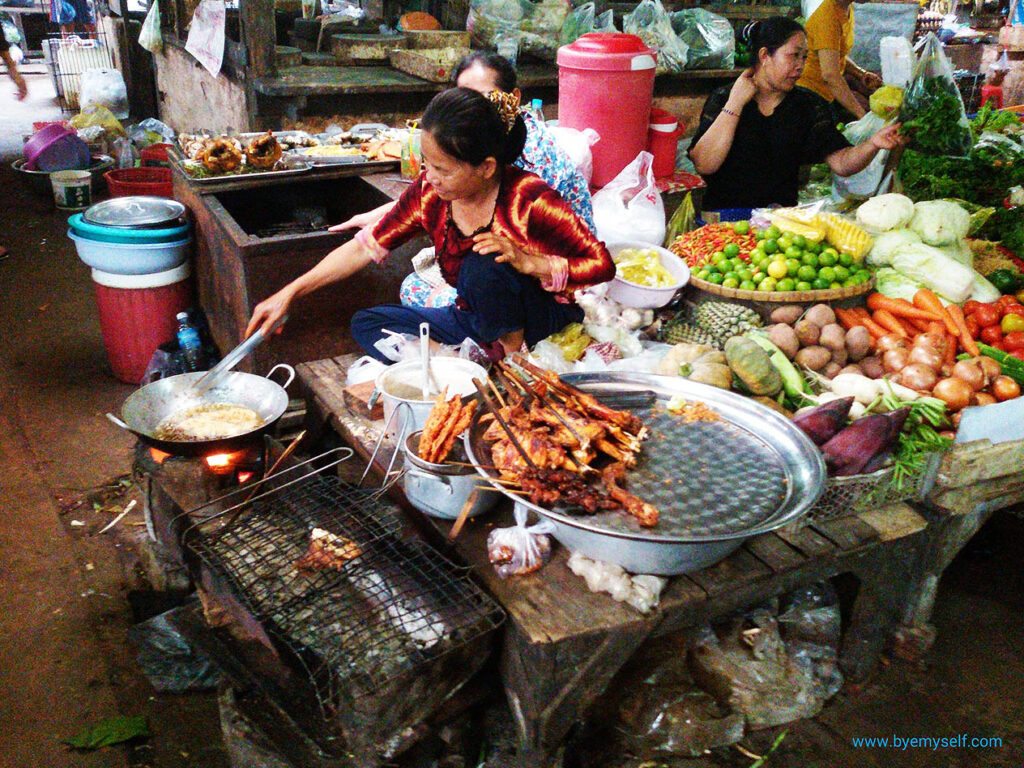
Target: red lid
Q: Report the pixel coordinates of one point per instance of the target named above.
(661, 117)
(607, 51)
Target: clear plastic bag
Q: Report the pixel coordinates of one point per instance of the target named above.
(652, 24)
(536, 26)
(871, 180)
(897, 58)
(710, 37)
(998, 150)
(520, 549)
(583, 20)
(933, 114)
(629, 208)
(105, 87)
(149, 36)
(151, 131)
(576, 144)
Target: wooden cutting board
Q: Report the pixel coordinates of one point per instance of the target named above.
(357, 399)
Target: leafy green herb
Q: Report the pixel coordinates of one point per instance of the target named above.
(932, 116)
(996, 120)
(112, 730)
(918, 439)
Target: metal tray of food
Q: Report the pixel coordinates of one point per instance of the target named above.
(318, 159)
(291, 165)
(711, 481)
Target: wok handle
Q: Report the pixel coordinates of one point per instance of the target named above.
(285, 366)
(118, 422)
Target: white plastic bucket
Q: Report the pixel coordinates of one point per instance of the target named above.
(400, 383)
(72, 190)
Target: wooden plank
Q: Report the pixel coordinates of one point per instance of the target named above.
(327, 379)
(806, 540)
(775, 552)
(740, 567)
(982, 496)
(357, 399)
(847, 532)
(970, 463)
(894, 521)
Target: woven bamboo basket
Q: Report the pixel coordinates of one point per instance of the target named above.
(785, 297)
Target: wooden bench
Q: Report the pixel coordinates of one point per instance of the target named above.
(563, 644)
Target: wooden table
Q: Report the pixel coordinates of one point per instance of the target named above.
(563, 644)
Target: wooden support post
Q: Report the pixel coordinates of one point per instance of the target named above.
(258, 35)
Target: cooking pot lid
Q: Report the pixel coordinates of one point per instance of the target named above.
(135, 212)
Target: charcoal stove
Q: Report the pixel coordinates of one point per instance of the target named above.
(354, 654)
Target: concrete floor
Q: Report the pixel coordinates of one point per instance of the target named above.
(65, 589)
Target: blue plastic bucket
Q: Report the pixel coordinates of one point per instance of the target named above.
(104, 234)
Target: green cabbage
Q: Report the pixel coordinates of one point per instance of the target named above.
(895, 285)
(883, 213)
(935, 270)
(982, 290)
(939, 222)
(886, 243)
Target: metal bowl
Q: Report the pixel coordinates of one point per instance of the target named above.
(715, 484)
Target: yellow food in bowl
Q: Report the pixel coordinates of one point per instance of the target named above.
(642, 266)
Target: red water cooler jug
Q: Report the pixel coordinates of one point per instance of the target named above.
(606, 82)
(663, 141)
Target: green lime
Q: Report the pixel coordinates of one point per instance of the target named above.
(862, 275)
(777, 269)
(818, 284)
(731, 250)
(813, 247)
(806, 272)
(737, 263)
(745, 274)
(716, 278)
(800, 241)
(773, 232)
(846, 259)
(784, 242)
(748, 285)
(759, 234)
(768, 284)
(741, 227)
(713, 268)
(850, 282)
(731, 275)
(842, 273)
(835, 284)
(827, 274)
(759, 275)
(794, 253)
(792, 266)
(827, 260)
(803, 285)
(787, 284)
(703, 274)
(810, 260)
(831, 250)
(771, 245)
(730, 282)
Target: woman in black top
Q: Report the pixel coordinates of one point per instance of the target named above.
(754, 135)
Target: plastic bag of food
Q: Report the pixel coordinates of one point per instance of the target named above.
(997, 150)
(886, 101)
(520, 549)
(105, 87)
(873, 179)
(536, 26)
(98, 115)
(932, 113)
(710, 37)
(149, 36)
(629, 207)
(651, 23)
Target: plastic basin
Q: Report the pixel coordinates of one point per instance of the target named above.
(39, 181)
(41, 139)
(642, 296)
(131, 258)
(103, 234)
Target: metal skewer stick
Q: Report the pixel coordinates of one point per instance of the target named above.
(489, 404)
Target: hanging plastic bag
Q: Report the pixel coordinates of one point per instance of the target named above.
(871, 180)
(651, 23)
(897, 59)
(710, 37)
(149, 36)
(105, 87)
(933, 114)
(520, 549)
(683, 220)
(576, 145)
(629, 208)
(536, 26)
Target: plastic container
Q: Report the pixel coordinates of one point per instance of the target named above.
(41, 139)
(39, 181)
(993, 94)
(102, 234)
(138, 314)
(131, 258)
(189, 342)
(663, 134)
(605, 82)
(123, 182)
(72, 190)
(155, 156)
(642, 296)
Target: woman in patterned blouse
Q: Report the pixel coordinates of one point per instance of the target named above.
(541, 154)
(510, 245)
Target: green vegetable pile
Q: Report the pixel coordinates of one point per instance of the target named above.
(931, 116)
(995, 120)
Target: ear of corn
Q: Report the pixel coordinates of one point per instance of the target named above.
(847, 237)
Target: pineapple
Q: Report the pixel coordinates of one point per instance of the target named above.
(847, 237)
(722, 319)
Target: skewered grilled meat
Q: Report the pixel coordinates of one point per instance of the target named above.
(645, 514)
(263, 151)
(220, 156)
(327, 552)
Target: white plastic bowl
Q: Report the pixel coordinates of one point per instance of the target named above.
(131, 258)
(641, 296)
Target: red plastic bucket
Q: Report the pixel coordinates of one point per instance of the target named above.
(663, 141)
(605, 82)
(125, 182)
(155, 156)
(138, 314)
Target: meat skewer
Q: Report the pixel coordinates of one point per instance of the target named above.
(489, 404)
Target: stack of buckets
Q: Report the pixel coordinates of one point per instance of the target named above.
(142, 280)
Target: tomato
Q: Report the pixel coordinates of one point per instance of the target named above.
(1014, 341)
(998, 345)
(1012, 309)
(972, 326)
(991, 335)
(971, 306)
(1003, 301)
(1019, 354)
(1011, 323)
(987, 314)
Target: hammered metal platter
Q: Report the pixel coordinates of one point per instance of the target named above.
(711, 481)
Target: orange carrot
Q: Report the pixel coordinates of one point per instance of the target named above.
(936, 327)
(846, 318)
(888, 320)
(949, 358)
(929, 302)
(874, 328)
(901, 308)
(862, 313)
(921, 325)
(957, 314)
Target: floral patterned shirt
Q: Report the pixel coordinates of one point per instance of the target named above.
(543, 156)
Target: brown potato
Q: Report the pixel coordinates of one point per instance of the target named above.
(788, 314)
(808, 332)
(858, 343)
(834, 337)
(813, 357)
(821, 315)
(853, 368)
(831, 370)
(784, 337)
(872, 367)
(839, 356)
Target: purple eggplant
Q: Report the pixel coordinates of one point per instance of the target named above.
(852, 449)
(825, 421)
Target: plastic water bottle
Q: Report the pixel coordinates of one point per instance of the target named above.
(536, 109)
(190, 343)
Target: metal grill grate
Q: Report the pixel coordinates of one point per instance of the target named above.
(395, 606)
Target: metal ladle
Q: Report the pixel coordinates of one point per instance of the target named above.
(425, 358)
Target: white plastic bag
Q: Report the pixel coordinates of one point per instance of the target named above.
(365, 368)
(576, 144)
(520, 549)
(105, 87)
(871, 180)
(629, 208)
(149, 36)
(897, 58)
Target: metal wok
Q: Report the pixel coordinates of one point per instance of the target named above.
(146, 408)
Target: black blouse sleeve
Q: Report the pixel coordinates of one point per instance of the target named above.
(824, 138)
(712, 107)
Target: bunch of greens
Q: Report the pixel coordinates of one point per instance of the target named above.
(932, 116)
(1006, 226)
(995, 120)
(919, 437)
(927, 177)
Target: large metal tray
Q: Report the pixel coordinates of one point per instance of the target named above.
(711, 481)
(299, 166)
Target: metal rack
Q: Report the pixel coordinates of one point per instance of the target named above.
(70, 49)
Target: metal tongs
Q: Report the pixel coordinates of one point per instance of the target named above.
(233, 358)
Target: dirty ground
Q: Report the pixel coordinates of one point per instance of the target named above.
(68, 595)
